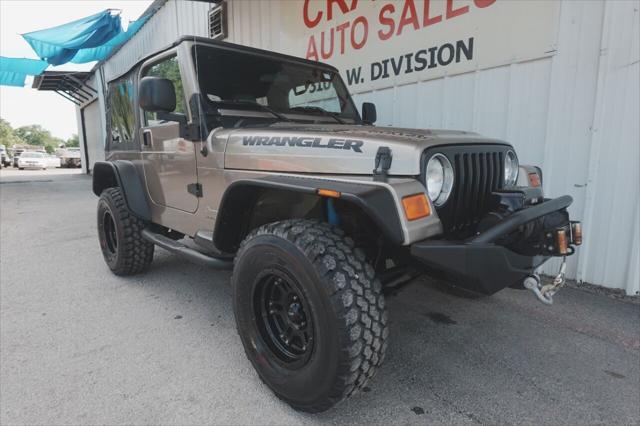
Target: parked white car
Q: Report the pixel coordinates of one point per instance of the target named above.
(32, 160)
(53, 160)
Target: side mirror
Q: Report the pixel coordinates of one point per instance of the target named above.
(369, 115)
(156, 94)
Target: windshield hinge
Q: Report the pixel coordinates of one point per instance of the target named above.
(195, 189)
(383, 164)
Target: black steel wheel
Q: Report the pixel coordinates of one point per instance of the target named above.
(310, 312)
(283, 317)
(120, 235)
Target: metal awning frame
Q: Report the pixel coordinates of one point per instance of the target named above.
(68, 84)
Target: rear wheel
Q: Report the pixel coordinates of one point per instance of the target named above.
(309, 311)
(120, 234)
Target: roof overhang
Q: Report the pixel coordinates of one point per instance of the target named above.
(71, 85)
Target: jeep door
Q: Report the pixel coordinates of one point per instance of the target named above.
(169, 161)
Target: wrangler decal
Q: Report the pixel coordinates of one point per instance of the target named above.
(303, 141)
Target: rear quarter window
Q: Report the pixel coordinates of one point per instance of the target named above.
(121, 116)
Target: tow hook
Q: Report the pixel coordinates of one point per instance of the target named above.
(545, 293)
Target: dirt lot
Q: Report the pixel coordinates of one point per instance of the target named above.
(81, 346)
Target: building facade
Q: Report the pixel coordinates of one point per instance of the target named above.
(559, 80)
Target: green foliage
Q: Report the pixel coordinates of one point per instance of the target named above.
(35, 134)
(8, 136)
(73, 141)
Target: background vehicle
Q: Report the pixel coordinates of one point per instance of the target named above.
(32, 160)
(4, 157)
(16, 155)
(263, 158)
(53, 161)
(69, 157)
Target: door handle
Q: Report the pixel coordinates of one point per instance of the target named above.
(146, 137)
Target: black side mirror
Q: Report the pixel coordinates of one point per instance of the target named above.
(156, 94)
(369, 115)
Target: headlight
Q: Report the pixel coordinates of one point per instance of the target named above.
(439, 179)
(510, 168)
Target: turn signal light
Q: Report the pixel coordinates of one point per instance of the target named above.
(534, 180)
(576, 231)
(328, 193)
(561, 241)
(416, 206)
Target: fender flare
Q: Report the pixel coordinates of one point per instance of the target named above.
(122, 174)
(375, 200)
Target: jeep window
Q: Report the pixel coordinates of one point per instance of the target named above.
(233, 80)
(167, 68)
(121, 116)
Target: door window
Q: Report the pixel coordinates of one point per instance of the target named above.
(167, 68)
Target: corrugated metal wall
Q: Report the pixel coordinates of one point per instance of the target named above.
(575, 113)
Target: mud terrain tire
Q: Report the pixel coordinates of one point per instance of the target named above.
(120, 235)
(335, 292)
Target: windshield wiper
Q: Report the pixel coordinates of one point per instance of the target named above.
(262, 107)
(321, 111)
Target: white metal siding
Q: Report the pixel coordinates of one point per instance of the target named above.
(574, 113)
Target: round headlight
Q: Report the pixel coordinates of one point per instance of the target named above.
(510, 168)
(439, 179)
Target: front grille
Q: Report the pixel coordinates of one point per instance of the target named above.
(478, 171)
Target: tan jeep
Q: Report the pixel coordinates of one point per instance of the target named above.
(252, 160)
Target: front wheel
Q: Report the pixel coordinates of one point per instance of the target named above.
(309, 311)
(120, 234)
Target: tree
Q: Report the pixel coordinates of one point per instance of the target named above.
(8, 136)
(73, 141)
(35, 134)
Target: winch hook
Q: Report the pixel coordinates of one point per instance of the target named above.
(545, 293)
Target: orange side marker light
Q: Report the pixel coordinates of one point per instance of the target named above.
(416, 206)
(328, 193)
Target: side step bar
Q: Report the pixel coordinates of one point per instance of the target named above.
(186, 252)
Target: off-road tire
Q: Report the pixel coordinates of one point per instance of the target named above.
(347, 309)
(132, 254)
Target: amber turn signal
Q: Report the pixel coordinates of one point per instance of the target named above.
(561, 241)
(416, 206)
(534, 180)
(328, 193)
(576, 231)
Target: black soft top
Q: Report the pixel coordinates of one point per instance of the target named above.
(232, 47)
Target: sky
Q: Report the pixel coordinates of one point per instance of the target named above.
(24, 106)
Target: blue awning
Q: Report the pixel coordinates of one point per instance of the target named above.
(14, 71)
(60, 44)
(101, 52)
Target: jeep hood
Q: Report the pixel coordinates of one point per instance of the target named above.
(333, 149)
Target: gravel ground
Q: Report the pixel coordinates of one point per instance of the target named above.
(79, 345)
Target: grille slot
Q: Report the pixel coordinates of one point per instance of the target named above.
(478, 171)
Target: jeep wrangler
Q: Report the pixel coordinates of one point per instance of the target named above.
(260, 162)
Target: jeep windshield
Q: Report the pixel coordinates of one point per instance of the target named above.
(246, 89)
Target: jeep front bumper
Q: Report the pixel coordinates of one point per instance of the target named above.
(481, 265)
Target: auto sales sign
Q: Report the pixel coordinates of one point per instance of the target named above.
(381, 43)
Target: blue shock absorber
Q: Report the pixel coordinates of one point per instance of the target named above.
(332, 213)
